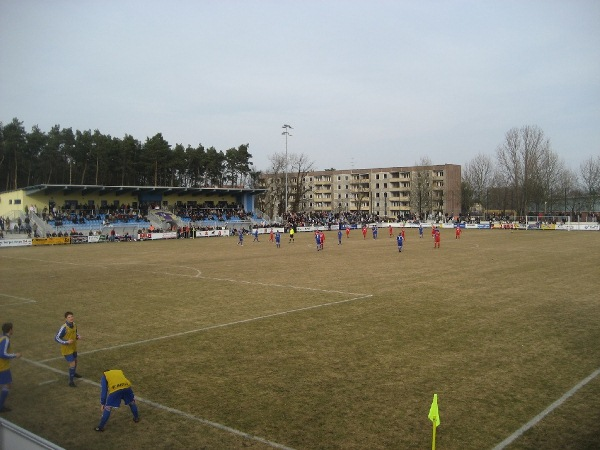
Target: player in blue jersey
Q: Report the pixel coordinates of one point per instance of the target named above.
(278, 239)
(400, 241)
(115, 388)
(420, 230)
(241, 238)
(255, 235)
(67, 337)
(318, 240)
(5, 357)
(340, 237)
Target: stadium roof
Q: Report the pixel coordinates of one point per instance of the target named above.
(49, 189)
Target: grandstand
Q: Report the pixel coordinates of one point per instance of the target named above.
(89, 209)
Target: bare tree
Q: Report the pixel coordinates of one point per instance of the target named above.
(590, 177)
(551, 168)
(272, 202)
(300, 166)
(567, 187)
(421, 188)
(478, 174)
(519, 161)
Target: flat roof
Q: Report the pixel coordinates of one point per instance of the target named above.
(48, 189)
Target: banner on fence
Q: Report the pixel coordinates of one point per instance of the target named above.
(15, 242)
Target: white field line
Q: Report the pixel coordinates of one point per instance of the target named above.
(517, 434)
(213, 327)
(22, 302)
(188, 416)
(174, 411)
(197, 275)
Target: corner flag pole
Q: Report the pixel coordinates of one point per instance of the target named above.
(434, 416)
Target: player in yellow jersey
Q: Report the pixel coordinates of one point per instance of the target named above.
(114, 388)
(5, 357)
(67, 337)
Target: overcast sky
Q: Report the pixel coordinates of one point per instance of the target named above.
(363, 83)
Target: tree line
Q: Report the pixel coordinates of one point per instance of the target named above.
(526, 176)
(64, 156)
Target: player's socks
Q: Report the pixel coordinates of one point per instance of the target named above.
(134, 410)
(3, 395)
(104, 418)
(71, 374)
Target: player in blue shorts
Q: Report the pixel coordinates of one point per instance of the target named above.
(5, 357)
(340, 237)
(115, 388)
(400, 241)
(67, 337)
(241, 238)
(318, 240)
(278, 239)
(420, 230)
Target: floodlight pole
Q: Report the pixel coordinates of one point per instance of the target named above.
(286, 132)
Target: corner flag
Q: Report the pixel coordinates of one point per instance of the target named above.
(434, 414)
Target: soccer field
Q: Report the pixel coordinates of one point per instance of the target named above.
(252, 346)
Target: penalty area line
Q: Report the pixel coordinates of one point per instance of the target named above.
(177, 412)
(517, 434)
(213, 327)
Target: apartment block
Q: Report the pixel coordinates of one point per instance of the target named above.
(387, 192)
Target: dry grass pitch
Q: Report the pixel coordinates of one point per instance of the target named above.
(234, 347)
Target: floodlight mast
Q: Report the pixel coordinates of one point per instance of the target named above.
(286, 132)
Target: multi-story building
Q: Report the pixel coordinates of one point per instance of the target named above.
(386, 192)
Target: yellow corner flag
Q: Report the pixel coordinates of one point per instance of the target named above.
(434, 414)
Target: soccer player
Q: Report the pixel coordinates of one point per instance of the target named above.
(291, 234)
(114, 388)
(67, 337)
(420, 230)
(322, 234)
(278, 239)
(364, 231)
(241, 238)
(318, 240)
(374, 231)
(400, 241)
(5, 357)
(391, 231)
(347, 231)
(436, 238)
(271, 235)
(402, 233)
(457, 232)
(340, 237)
(255, 235)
